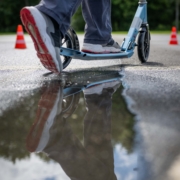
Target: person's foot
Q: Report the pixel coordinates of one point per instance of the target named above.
(46, 36)
(111, 47)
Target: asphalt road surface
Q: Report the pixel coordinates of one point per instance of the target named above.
(151, 92)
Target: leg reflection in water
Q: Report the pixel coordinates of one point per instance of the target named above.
(53, 135)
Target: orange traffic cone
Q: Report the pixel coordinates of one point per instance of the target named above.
(173, 39)
(20, 42)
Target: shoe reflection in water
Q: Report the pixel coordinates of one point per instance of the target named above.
(52, 134)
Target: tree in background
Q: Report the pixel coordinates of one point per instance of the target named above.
(10, 13)
(161, 14)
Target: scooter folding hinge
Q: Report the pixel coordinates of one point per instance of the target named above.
(142, 2)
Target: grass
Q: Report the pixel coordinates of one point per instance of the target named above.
(81, 32)
(125, 32)
(7, 33)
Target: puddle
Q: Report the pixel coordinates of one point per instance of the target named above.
(78, 128)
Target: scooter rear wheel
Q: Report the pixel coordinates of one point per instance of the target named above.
(69, 41)
(143, 48)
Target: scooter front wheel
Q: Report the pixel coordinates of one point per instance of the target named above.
(143, 48)
(71, 41)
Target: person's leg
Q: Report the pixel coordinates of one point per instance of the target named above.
(97, 15)
(60, 10)
(46, 23)
(97, 124)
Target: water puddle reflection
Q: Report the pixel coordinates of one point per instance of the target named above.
(78, 128)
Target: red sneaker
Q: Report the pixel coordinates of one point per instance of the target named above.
(46, 36)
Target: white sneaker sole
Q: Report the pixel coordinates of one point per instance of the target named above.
(98, 49)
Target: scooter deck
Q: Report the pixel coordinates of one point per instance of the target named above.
(88, 56)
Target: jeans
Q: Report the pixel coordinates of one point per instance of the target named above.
(96, 13)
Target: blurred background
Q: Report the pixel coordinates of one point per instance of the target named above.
(162, 14)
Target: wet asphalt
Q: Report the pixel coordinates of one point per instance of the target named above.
(139, 141)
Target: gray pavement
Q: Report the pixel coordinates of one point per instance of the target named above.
(151, 91)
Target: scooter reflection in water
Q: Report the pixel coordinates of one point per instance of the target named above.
(52, 134)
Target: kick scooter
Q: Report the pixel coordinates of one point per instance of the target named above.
(139, 27)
